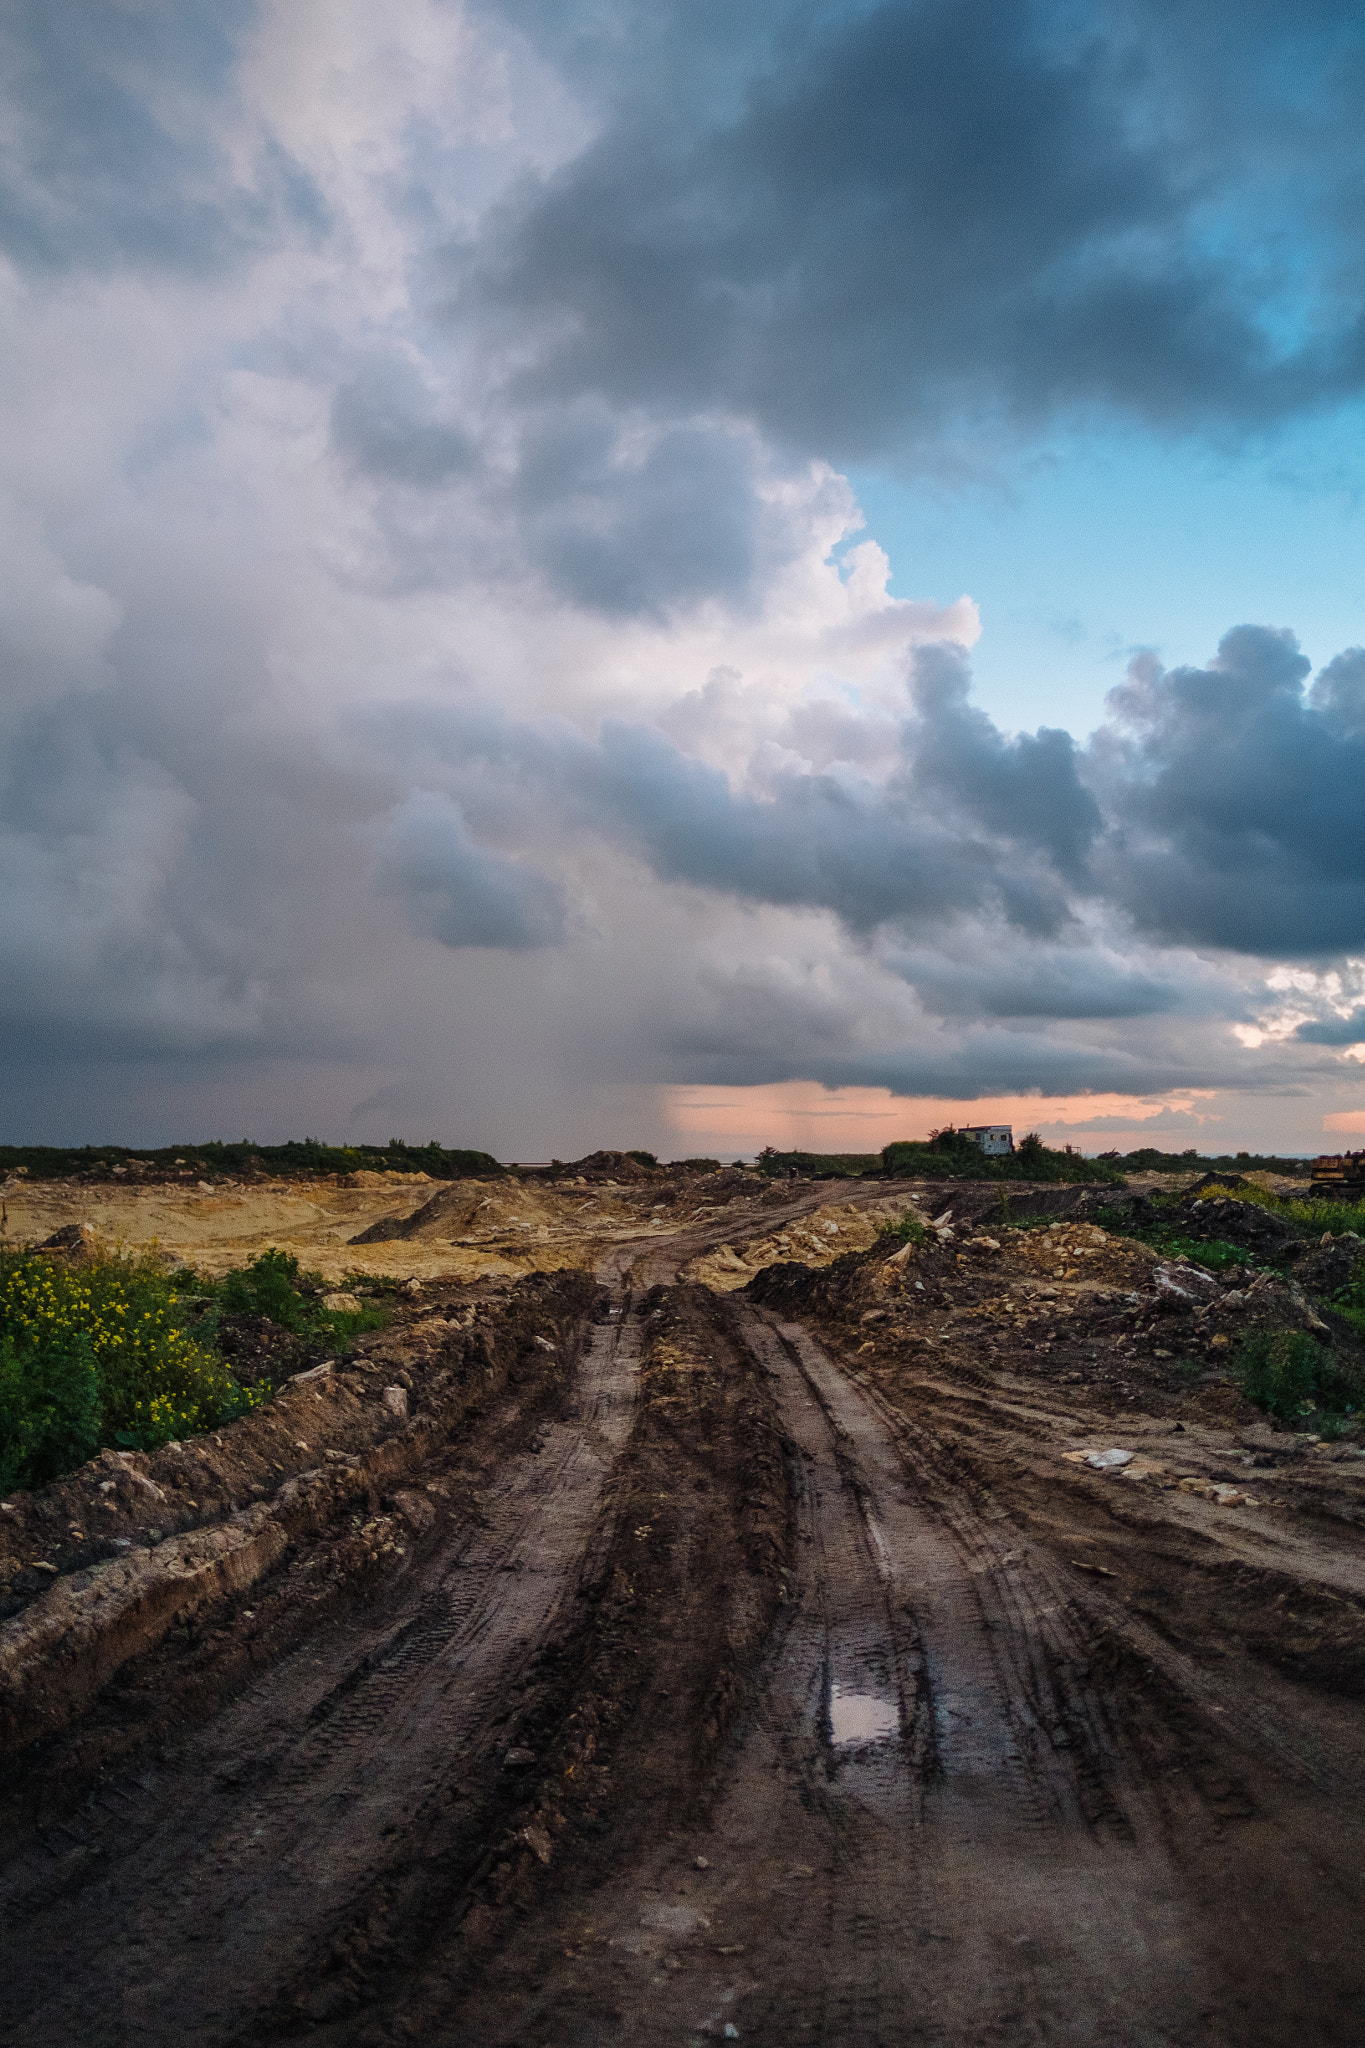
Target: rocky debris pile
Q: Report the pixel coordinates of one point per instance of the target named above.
(1331, 1264)
(1073, 1301)
(815, 1239)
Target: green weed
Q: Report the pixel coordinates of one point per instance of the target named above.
(272, 1285)
(95, 1355)
(906, 1229)
(1291, 1375)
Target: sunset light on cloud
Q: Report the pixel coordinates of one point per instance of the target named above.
(800, 1116)
(681, 576)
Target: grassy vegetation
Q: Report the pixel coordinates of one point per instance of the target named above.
(1292, 1376)
(1150, 1160)
(950, 1155)
(272, 1285)
(1312, 1213)
(118, 1353)
(907, 1229)
(299, 1157)
(819, 1165)
(99, 1355)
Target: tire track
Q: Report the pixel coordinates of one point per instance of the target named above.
(361, 1736)
(926, 1831)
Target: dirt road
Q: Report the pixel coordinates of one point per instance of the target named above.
(751, 1688)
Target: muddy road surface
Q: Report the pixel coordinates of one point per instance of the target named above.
(765, 1665)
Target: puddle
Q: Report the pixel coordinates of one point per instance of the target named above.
(674, 1919)
(861, 1717)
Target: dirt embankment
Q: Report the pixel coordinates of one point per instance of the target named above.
(97, 1568)
(390, 1225)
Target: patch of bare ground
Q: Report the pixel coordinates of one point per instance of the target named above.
(203, 1735)
(637, 1703)
(1061, 1405)
(920, 1645)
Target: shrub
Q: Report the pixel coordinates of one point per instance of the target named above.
(49, 1409)
(906, 1229)
(267, 1287)
(99, 1355)
(1290, 1374)
(964, 1161)
(271, 1285)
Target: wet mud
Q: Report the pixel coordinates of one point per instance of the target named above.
(926, 1645)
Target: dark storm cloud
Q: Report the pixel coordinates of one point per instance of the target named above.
(1000, 978)
(1334, 1030)
(970, 821)
(1235, 799)
(1219, 808)
(458, 892)
(388, 423)
(113, 152)
(1026, 787)
(624, 530)
(912, 212)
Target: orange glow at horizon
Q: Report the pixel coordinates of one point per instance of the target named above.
(803, 1116)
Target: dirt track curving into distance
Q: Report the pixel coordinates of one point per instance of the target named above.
(840, 1710)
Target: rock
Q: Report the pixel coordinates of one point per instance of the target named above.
(342, 1304)
(1222, 1495)
(127, 1478)
(1102, 1461)
(72, 1237)
(411, 1287)
(314, 1372)
(395, 1399)
(1185, 1283)
(1330, 1265)
(538, 1842)
(874, 1315)
(518, 1759)
(416, 1510)
(386, 1231)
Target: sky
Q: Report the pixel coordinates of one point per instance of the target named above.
(688, 576)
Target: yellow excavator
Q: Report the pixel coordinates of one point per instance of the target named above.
(1339, 1173)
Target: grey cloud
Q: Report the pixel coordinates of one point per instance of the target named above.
(872, 854)
(387, 422)
(622, 528)
(1334, 1030)
(1235, 800)
(1222, 809)
(1001, 978)
(113, 152)
(458, 892)
(1027, 786)
(903, 213)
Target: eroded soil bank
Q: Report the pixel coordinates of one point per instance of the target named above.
(918, 1642)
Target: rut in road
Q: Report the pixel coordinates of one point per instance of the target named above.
(926, 1831)
(214, 1891)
